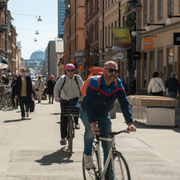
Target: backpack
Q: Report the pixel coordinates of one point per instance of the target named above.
(86, 83)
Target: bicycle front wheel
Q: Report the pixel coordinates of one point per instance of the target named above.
(70, 136)
(121, 170)
(91, 174)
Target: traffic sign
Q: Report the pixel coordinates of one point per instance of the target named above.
(120, 55)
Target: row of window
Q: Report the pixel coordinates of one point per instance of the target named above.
(170, 9)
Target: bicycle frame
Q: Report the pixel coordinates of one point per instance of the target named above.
(109, 158)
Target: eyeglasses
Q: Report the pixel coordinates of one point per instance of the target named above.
(70, 70)
(22, 71)
(111, 70)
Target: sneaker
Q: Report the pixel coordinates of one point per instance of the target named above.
(23, 118)
(63, 141)
(77, 126)
(27, 114)
(88, 161)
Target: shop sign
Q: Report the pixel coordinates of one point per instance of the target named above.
(176, 38)
(78, 53)
(120, 55)
(148, 43)
(80, 65)
(136, 55)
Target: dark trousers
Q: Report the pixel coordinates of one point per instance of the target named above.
(160, 93)
(24, 101)
(64, 119)
(14, 101)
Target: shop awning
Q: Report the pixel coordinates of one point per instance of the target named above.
(3, 66)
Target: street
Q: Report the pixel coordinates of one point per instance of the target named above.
(30, 149)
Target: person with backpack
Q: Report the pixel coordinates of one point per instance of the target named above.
(101, 94)
(67, 89)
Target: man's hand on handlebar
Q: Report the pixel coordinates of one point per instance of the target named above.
(57, 99)
(95, 129)
(131, 127)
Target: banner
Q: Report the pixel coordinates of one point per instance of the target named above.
(122, 38)
(148, 43)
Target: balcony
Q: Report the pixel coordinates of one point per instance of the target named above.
(3, 3)
(3, 27)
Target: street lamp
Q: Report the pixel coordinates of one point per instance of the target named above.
(91, 53)
(39, 19)
(37, 33)
(148, 27)
(106, 49)
(100, 51)
(169, 20)
(133, 33)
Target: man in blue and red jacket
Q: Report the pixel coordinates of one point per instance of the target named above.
(96, 106)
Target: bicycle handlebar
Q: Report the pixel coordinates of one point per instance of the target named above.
(114, 133)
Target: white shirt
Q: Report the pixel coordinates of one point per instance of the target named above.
(156, 85)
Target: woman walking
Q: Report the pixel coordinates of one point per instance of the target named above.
(50, 84)
(39, 88)
(156, 85)
(13, 85)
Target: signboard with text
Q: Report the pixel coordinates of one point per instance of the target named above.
(78, 53)
(176, 38)
(147, 43)
(136, 55)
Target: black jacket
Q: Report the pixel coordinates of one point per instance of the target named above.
(173, 85)
(28, 87)
(13, 85)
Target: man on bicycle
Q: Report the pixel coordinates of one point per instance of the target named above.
(68, 89)
(96, 105)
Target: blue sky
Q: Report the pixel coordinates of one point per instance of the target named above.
(26, 24)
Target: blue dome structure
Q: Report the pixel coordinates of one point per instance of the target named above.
(38, 55)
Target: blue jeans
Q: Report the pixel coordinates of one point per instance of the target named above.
(172, 94)
(104, 124)
(23, 101)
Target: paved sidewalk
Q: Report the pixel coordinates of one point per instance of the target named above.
(30, 149)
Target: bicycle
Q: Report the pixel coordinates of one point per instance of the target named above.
(71, 112)
(118, 167)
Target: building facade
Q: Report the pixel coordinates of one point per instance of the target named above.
(77, 34)
(61, 16)
(111, 15)
(157, 46)
(92, 34)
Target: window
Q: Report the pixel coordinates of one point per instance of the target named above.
(160, 9)
(144, 12)
(151, 15)
(170, 61)
(170, 7)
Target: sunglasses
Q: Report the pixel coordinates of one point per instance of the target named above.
(70, 70)
(111, 70)
(22, 71)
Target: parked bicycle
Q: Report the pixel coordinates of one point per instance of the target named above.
(71, 112)
(118, 167)
(5, 96)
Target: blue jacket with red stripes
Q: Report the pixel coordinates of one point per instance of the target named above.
(98, 102)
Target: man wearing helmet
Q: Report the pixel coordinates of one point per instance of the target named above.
(68, 89)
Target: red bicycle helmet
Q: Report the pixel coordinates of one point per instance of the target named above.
(69, 66)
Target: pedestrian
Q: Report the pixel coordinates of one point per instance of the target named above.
(125, 87)
(50, 84)
(133, 86)
(67, 89)
(173, 86)
(10, 81)
(156, 85)
(6, 80)
(39, 88)
(96, 106)
(13, 85)
(24, 92)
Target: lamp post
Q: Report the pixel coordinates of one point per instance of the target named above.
(169, 20)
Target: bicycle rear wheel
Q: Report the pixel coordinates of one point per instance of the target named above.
(70, 136)
(121, 168)
(92, 174)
